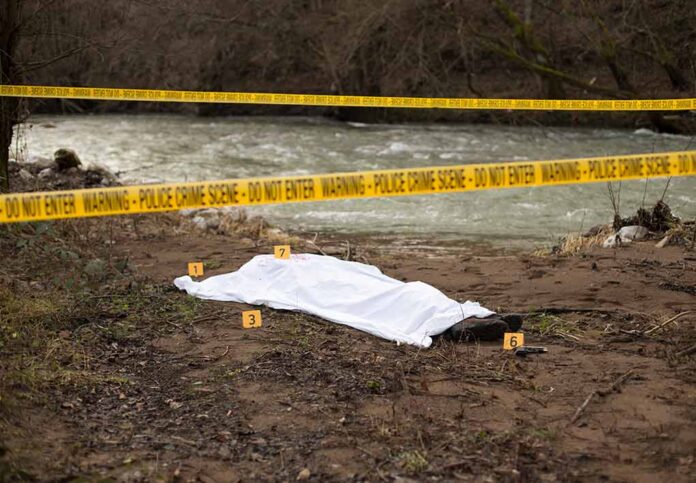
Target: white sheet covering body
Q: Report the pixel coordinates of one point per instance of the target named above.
(349, 293)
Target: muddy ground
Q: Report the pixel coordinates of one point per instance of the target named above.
(108, 372)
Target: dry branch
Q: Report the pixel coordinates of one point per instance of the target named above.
(672, 319)
(601, 392)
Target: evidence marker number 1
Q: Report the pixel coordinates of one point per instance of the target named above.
(195, 269)
(282, 251)
(251, 319)
(513, 340)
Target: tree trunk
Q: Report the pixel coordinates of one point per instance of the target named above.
(9, 24)
(6, 126)
(531, 46)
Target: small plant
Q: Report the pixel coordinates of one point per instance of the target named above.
(551, 325)
(374, 386)
(543, 433)
(212, 264)
(413, 461)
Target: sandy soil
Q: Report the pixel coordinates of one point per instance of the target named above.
(189, 395)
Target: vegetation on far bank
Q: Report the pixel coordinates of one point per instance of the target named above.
(501, 48)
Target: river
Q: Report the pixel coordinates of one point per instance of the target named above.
(149, 148)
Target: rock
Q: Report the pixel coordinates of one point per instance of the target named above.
(206, 223)
(100, 175)
(200, 222)
(207, 219)
(25, 175)
(625, 235)
(613, 241)
(39, 162)
(66, 159)
(303, 475)
(594, 231)
(209, 213)
(93, 178)
(633, 232)
(45, 173)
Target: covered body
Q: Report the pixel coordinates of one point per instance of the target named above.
(350, 293)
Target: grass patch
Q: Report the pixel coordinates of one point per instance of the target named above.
(413, 462)
(551, 325)
(36, 346)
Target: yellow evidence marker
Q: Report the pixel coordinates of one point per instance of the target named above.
(513, 340)
(195, 269)
(251, 319)
(282, 251)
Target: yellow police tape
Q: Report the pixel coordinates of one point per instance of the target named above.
(363, 184)
(157, 95)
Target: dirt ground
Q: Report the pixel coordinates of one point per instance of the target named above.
(150, 384)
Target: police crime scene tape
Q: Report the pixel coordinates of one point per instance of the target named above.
(122, 200)
(158, 95)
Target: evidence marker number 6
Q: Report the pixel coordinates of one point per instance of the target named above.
(513, 340)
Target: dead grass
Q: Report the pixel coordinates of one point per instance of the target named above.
(37, 350)
(547, 325)
(63, 294)
(574, 243)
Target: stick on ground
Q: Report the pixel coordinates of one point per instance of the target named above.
(601, 392)
(672, 319)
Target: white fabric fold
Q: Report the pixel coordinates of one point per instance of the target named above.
(349, 293)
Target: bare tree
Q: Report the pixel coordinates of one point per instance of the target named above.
(10, 23)
(31, 42)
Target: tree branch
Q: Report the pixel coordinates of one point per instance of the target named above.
(495, 46)
(40, 64)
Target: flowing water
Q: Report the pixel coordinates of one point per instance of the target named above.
(148, 148)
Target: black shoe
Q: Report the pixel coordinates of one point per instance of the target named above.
(514, 321)
(489, 328)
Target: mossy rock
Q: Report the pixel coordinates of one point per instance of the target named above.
(66, 159)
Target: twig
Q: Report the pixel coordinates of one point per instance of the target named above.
(569, 336)
(687, 352)
(184, 440)
(601, 392)
(227, 351)
(317, 247)
(206, 318)
(617, 384)
(174, 324)
(666, 187)
(658, 327)
(568, 310)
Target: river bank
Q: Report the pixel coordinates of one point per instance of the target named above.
(109, 371)
(185, 148)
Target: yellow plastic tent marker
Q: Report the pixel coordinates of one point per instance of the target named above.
(195, 269)
(513, 340)
(251, 319)
(282, 251)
